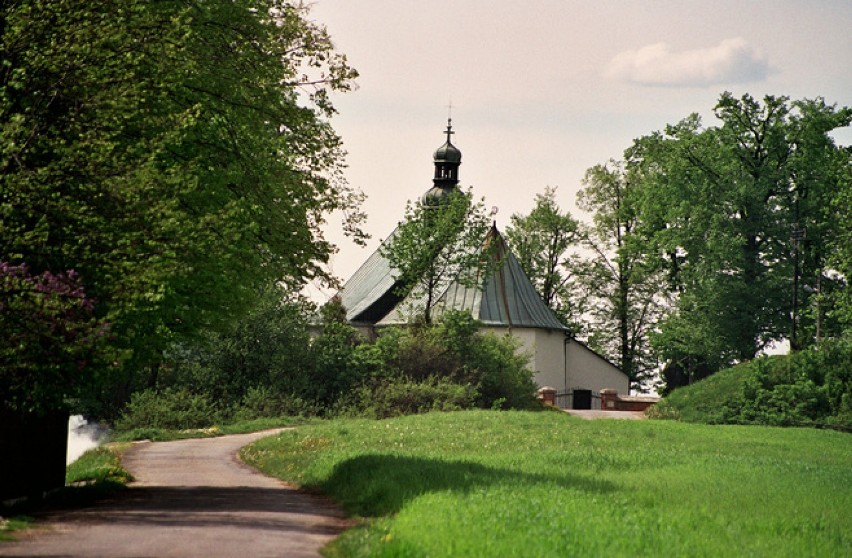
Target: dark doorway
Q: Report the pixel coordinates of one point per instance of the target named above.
(582, 399)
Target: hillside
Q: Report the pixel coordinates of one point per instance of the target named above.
(808, 388)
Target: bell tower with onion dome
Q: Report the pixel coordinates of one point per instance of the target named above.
(447, 159)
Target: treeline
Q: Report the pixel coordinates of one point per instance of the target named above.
(707, 244)
(166, 165)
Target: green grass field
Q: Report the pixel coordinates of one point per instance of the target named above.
(545, 484)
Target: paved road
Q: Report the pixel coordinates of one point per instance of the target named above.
(596, 414)
(191, 498)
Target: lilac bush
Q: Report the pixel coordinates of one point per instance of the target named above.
(49, 337)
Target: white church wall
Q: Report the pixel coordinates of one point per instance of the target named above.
(547, 355)
(550, 359)
(587, 370)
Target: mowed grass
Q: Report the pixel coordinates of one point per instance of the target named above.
(486, 483)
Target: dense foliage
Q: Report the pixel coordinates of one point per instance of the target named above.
(269, 365)
(175, 155)
(457, 366)
(709, 244)
(50, 336)
(812, 387)
(743, 215)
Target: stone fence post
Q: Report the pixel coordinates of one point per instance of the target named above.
(547, 395)
(609, 398)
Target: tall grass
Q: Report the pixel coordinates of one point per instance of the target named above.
(544, 484)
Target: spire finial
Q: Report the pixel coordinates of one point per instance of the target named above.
(449, 131)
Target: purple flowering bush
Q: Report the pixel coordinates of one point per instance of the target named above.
(49, 337)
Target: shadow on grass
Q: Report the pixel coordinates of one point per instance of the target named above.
(376, 485)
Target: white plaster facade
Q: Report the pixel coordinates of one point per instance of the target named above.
(588, 370)
(564, 363)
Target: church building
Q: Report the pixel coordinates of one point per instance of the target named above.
(505, 302)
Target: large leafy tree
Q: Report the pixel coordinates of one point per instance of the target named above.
(744, 213)
(620, 279)
(439, 241)
(839, 302)
(544, 241)
(176, 155)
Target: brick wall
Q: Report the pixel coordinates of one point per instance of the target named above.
(612, 401)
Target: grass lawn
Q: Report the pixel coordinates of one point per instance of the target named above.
(503, 484)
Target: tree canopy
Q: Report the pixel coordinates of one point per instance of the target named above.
(708, 244)
(175, 155)
(744, 214)
(620, 279)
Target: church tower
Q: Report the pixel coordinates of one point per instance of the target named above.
(447, 159)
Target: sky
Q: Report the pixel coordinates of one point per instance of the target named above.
(542, 90)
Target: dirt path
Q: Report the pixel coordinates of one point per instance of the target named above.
(191, 498)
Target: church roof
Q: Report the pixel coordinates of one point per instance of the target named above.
(506, 298)
(371, 283)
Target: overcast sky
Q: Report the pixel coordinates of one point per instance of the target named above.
(541, 90)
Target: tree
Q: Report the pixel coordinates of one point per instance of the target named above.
(268, 348)
(176, 155)
(543, 241)
(743, 215)
(839, 260)
(620, 280)
(438, 243)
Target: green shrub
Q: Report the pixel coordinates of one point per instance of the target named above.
(268, 347)
(335, 366)
(504, 380)
(811, 387)
(391, 397)
(172, 408)
(456, 351)
(263, 402)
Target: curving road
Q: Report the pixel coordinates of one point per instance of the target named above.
(190, 498)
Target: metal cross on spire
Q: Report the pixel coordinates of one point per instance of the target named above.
(449, 120)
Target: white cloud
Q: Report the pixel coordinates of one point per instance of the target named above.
(732, 61)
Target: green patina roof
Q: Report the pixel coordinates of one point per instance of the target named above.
(507, 298)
